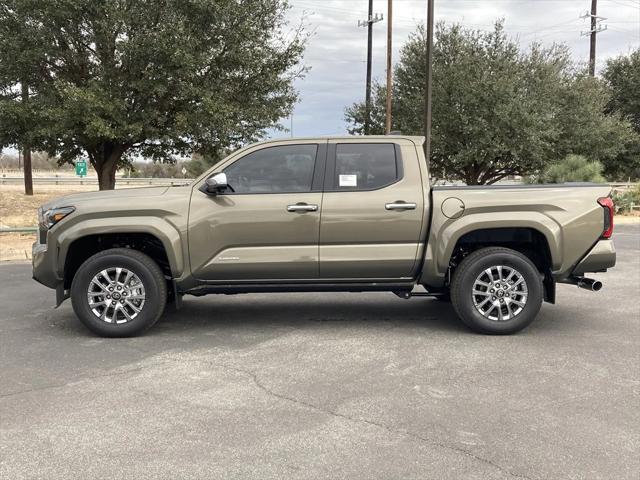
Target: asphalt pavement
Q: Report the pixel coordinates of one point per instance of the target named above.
(305, 386)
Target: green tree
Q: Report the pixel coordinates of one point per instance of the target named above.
(123, 78)
(573, 168)
(497, 111)
(622, 75)
(200, 163)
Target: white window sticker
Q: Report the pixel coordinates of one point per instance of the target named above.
(348, 180)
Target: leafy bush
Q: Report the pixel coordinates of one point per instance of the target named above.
(623, 200)
(573, 168)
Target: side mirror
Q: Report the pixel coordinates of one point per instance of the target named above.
(215, 184)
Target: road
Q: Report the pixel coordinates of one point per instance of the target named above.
(324, 386)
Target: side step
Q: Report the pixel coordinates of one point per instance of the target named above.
(406, 295)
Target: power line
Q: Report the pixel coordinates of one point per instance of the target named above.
(413, 21)
(627, 3)
(550, 27)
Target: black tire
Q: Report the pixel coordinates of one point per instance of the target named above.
(148, 272)
(465, 276)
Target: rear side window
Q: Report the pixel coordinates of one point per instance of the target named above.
(365, 166)
(280, 169)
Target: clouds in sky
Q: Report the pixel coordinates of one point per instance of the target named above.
(336, 53)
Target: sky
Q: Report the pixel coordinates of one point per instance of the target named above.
(337, 50)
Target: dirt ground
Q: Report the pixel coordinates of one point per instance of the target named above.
(19, 210)
(16, 246)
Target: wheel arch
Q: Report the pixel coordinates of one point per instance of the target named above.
(445, 235)
(77, 245)
(493, 229)
(530, 242)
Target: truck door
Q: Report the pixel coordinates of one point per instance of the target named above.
(266, 225)
(373, 210)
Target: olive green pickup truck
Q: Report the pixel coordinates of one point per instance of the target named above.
(323, 215)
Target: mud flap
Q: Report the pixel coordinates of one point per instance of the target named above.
(177, 296)
(61, 294)
(549, 284)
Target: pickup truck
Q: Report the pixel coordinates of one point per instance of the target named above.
(346, 214)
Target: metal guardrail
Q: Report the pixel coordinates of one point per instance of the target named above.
(18, 229)
(14, 180)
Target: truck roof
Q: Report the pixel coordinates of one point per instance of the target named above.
(417, 139)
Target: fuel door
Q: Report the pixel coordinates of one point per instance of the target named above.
(452, 207)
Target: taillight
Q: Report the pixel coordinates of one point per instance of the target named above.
(607, 205)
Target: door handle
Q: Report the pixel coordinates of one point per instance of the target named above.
(302, 207)
(400, 205)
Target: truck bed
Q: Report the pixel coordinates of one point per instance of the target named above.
(567, 215)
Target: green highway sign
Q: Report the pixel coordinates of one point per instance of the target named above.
(81, 168)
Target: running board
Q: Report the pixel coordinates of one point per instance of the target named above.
(230, 289)
(408, 295)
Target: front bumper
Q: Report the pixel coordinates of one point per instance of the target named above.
(599, 258)
(43, 263)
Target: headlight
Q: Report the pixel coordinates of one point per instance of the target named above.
(48, 218)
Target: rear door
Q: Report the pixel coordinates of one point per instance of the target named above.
(266, 226)
(372, 210)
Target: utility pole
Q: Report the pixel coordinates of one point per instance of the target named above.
(592, 41)
(387, 125)
(28, 181)
(596, 27)
(429, 81)
(369, 24)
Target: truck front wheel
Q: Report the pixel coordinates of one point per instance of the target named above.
(496, 290)
(118, 292)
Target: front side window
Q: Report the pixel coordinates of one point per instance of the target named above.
(279, 169)
(365, 166)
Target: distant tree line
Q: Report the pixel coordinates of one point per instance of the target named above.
(39, 161)
(137, 168)
(500, 111)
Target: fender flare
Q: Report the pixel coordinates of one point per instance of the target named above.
(444, 237)
(168, 235)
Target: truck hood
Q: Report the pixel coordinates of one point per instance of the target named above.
(104, 196)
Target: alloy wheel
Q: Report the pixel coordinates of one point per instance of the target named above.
(116, 295)
(500, 293)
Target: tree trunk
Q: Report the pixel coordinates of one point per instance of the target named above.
(471, 178)
(28, 180)
(106, 177)
(105, 159)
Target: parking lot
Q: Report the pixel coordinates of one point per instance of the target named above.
(324, 386)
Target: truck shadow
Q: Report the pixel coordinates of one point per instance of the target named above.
(308, 311)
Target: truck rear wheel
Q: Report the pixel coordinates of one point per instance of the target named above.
(496, 290)
(119, 292)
